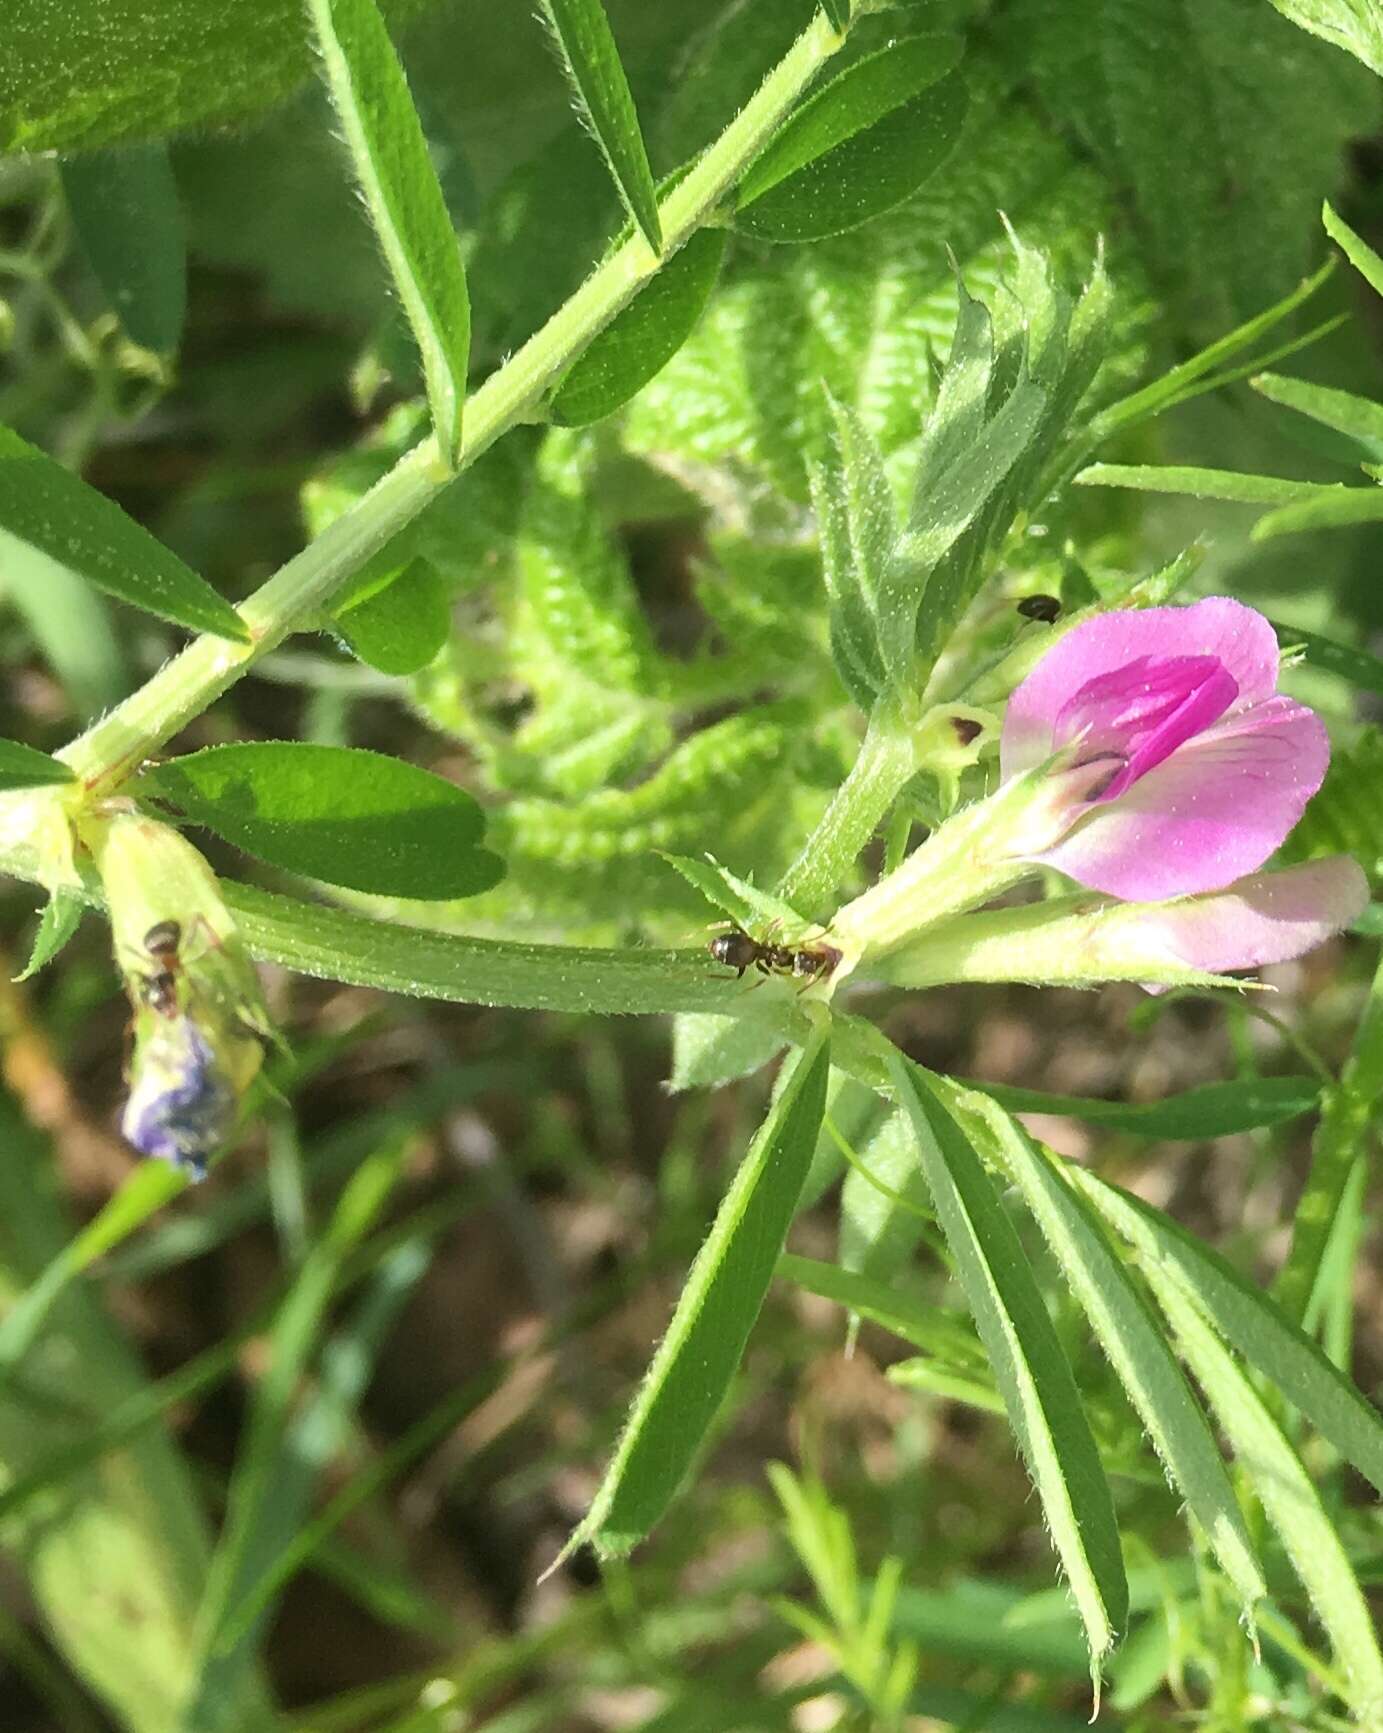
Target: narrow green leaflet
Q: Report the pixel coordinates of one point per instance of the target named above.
(1359, 417)
(857, 525)
(1288, 1496)
(142, 1195)
(709, 1051)
(337, 813)
(1357, 666)
(1126, 1330)
(743, 902)
(258, 1481)
(1227, 484)
(1332, 510)
(603, 102)
(851, 103)
(403, 197)
(931, 1328)
(46, 507)
(125, 211)
(697, 1358)
(1032, 1373)
(106, 70)
(867, 174)
(400, 627)
(1359, 253)
(1354, 25)
(26, 767)
(1212, 1110)
(1251, 1321)
(62, 915)
(642, 339)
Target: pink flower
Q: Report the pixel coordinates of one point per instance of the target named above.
(1268, 918)
(1183, 766)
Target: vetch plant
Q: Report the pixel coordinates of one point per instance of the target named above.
(846, 403)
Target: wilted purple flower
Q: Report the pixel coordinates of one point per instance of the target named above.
(1183, 766)
(181, 1104)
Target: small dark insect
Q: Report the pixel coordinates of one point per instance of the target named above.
(161, 987)
(738, 951)
(1044, 608)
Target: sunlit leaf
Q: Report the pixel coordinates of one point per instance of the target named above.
(697, 1358)
(603, 100)
(400, 626)
(1032, 1372)
(402, 195)
(337, 813)
(644, 337)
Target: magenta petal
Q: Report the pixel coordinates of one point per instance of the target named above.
(1269, 918)
(1142, 712)
(1204, 817)
(1238, 637)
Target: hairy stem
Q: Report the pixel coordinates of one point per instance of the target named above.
(887, 759)
(113, 749)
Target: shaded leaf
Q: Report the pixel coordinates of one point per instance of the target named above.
(125, 210)
(866, 175)
(697, 1358)
(403, 197)
(1347, 413)
(642, 339)
(336, 813)
(46, 507)
(1212, 1110)
(25, 767)
(1330, 509)
(603, 101)
(62, 915)
(1359, 253)
(1357, 666)
(1032, 1373)
(852, 102)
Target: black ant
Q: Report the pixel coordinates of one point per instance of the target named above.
(160, 989)
(738, 950)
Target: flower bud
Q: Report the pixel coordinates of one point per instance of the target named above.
(199, 1019)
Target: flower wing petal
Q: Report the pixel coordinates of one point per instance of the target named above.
(1268, 918)
(1212, 812)
(1239, 637)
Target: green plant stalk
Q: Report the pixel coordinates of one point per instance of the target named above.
(113, 749)
(887, 758)
(1346, 1113)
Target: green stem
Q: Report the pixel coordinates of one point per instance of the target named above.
(114, 748)
(1340, 1138)
(886, 760)
(964, 862)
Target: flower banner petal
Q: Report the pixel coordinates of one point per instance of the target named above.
(1212, 812)
(1237, 636)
